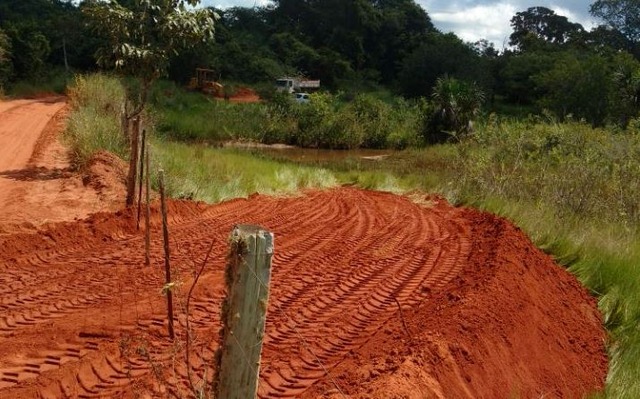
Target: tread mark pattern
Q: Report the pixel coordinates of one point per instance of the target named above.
(343, 257)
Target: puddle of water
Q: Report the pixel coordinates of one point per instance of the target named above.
(314, 155)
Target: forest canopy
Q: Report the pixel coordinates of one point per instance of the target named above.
(363, 44)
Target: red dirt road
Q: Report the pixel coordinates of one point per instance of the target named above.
(21, 124)
(37, 183)
(373, 296)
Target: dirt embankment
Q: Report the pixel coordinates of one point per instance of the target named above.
(37, 182)
(484, 313)
(373, 295)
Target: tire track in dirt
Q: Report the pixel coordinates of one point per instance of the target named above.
(343, 258)
(364, 297)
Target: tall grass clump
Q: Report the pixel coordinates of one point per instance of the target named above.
(94, 123)
(216, 174)
(581, 171)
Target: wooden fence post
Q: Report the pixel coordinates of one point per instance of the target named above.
(143, 144)
(147, 216)
(167, 255)
(244, 312)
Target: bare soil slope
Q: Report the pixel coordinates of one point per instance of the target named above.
(484, 313)
(37, 183)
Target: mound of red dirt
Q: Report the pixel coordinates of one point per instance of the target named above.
(373, 296)
(512, 324)
(107, 174)
(245, 95)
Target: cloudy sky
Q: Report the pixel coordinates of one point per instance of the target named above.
(473, 19)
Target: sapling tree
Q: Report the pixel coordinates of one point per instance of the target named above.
(140, 38)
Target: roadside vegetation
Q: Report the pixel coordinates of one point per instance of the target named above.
(327, 121)
(95, 122)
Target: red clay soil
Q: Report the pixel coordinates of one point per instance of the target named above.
(373, 295)
(484, 313)
(37, 182)
(244, 95)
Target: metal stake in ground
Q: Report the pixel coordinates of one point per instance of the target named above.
(244, 312)
(167, 263)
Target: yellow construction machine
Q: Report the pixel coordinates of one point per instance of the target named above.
(205, 81)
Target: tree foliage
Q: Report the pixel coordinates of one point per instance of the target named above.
(605, 39)
(539, 26)
(577, 85)
(5, 59)
(350, 45)
(456, 104)
(440, 55)
(372, 36)
(625, 89)
(622, 15)
(516, 76)
(141, 36)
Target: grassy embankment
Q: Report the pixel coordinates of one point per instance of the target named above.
(574, 189)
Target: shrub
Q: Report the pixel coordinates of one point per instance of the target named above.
(324, 122)
(582, 171)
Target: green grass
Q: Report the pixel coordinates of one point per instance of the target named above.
(194, 117)
(575, 190)
(94, 122)
(215, 174)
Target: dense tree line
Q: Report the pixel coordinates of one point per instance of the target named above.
(552, 63)
(41, 34)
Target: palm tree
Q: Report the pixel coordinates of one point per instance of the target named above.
(457, 103)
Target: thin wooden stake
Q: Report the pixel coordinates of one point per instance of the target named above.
(133, 162)
(147, 216)
(141, 178)
(244, 312)
(167, 263)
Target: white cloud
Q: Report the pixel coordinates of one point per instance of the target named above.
(489, 22)
(473, 20)
(586, 21)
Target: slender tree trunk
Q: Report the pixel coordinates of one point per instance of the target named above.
(147, 219)
(64, 51)
(141, 177)
(133, 162)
